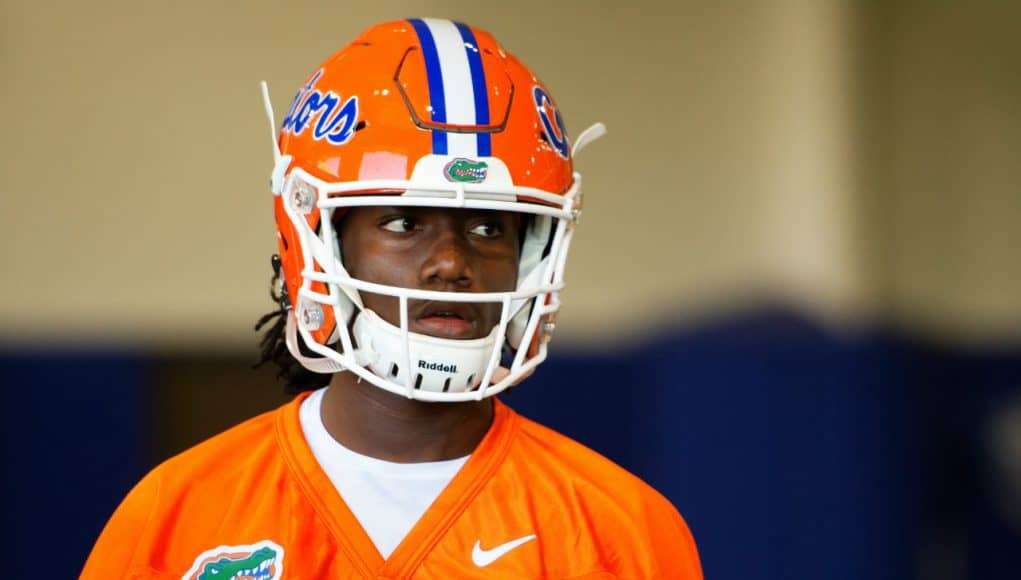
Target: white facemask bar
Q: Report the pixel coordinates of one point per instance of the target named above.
(544, 294)
(317, 251)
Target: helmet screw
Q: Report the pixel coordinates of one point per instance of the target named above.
(546, 332)
(312, 315)
(576, 206)
(303, 196)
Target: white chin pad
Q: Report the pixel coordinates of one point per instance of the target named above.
(437, 364)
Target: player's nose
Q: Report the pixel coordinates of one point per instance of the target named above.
(448, 264)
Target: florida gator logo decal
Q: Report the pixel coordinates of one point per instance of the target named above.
(260, 561)
(466, 170)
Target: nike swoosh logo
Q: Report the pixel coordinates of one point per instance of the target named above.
(483, 558)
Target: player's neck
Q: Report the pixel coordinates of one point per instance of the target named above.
(373, 422)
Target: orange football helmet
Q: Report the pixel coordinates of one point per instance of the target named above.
(422, 112)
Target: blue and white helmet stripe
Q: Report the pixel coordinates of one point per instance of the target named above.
(457, 85)
(480, 94)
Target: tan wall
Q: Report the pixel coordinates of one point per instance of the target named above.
(757, 152)
(943, 133)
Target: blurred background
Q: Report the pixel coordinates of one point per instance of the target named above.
(793, 305)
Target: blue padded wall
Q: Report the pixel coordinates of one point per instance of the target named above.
(75, 439)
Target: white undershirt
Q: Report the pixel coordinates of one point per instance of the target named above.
(386, 497)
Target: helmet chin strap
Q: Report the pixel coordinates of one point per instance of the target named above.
(315, 364)
(589, 135)
(268, 104)
(438, 364)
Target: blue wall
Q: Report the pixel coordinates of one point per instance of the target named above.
(75, 439)
(792, 453)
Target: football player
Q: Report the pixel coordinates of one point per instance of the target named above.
(425, 200)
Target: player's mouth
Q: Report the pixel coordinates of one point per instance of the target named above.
(445, 320)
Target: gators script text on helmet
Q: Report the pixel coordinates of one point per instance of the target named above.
(422, 112)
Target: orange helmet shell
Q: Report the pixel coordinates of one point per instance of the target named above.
(409, 89)
(377, 106)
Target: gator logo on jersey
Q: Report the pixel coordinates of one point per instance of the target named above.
(465, 170)
(260, 561)
(332, 120)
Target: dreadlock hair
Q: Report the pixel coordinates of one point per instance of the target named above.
(273, 345)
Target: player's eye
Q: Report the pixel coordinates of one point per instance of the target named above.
(487, 230)
(400, 224)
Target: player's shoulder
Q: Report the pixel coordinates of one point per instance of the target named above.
(243, 448)
(635, 530)
(545, 453)
(205, 486)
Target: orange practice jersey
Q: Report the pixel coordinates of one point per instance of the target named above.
(529, 503)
